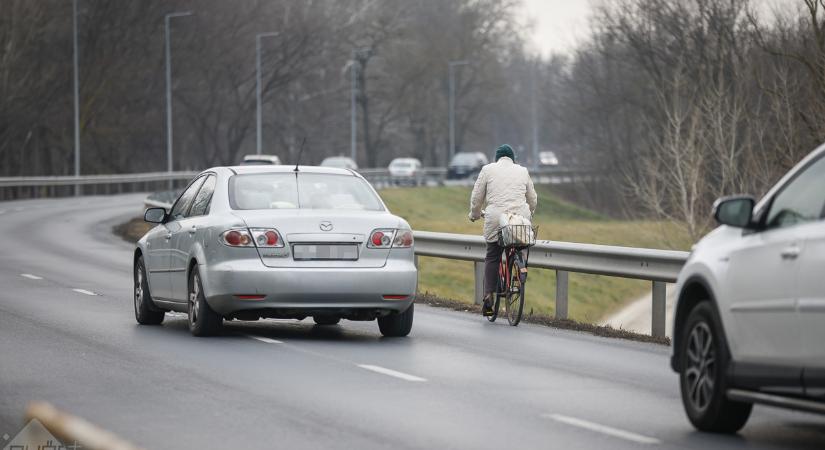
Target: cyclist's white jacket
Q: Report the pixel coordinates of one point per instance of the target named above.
(502, 187)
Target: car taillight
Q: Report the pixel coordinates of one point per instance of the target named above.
(381, 238)
(391, 238)
(267, 237)
(256, 237)
(403, 239)
(237, 238)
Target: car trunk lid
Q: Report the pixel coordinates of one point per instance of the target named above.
(321, 238)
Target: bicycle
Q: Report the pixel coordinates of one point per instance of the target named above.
(512, 270)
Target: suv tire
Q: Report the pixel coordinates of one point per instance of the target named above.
(704, 358)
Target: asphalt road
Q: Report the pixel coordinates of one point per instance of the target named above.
(455, 382)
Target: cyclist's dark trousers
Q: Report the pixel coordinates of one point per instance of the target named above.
(491, 262)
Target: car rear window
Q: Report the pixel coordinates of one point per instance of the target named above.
(309, 191)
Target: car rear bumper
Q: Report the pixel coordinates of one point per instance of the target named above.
(291, 292)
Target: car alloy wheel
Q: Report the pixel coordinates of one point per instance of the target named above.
(700, 372)
(139, 294)
(194, 299)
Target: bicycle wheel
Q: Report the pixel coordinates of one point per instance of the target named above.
(502, 283)
(514, 298)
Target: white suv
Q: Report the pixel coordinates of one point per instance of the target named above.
(750, 319)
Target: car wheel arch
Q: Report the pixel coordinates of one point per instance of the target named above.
(694, 291)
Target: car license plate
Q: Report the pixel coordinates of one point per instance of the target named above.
(304, 252)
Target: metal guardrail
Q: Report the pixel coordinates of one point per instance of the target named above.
(658, 266)
(58, 186)
(62, 186)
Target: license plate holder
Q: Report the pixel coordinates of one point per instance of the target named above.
(325, 252)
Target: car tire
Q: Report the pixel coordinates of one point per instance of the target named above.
(326, 320)
(397, 324)
(146, 313)
(203, 321)
(704, 358)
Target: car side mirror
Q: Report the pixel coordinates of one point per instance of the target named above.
(735, 211)
(155, 215)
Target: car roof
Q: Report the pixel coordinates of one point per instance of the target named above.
(243, 170)
(267, 157)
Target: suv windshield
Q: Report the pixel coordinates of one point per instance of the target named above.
(310, 191)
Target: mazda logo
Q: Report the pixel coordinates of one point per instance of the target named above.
(326, 226)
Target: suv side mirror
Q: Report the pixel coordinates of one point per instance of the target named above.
(155, 215)
(736, 211)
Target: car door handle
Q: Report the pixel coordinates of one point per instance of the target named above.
(193, 229)
(791, 252)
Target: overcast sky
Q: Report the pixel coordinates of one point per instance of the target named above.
(560, 24)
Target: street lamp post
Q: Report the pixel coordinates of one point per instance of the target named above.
(353, 112)
(452, 65)
(534, 116)
(76, 98)
(259, 119)
(167, 18)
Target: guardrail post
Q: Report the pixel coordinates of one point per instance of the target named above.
(561, 294)
(479, 279)
(658, 319)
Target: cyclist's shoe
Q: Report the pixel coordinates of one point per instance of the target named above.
(487, 307)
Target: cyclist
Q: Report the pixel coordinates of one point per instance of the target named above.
(502, 187)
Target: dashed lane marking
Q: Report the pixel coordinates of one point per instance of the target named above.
(392, 373)
(30, 276)
(265, 339)
(84, 291)
(603, 429)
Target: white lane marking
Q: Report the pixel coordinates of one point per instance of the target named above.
(30, 276)
(18, 209)
(84, 291)
(2, 211)
(392, 373)
(265, 339)
(603, 429)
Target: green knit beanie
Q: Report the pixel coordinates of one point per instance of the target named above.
(505, 150)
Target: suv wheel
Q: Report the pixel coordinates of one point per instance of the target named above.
(397, 324)
(704, 358)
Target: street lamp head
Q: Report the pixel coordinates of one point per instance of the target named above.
(267, 34)
(179, 14)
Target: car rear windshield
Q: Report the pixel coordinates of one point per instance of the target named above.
(465, 159)
(304, 191)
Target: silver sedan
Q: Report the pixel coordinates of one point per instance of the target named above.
(243, 243)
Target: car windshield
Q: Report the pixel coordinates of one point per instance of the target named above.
(256, 162)
(401, 164)
(465, 159)
(311, 191)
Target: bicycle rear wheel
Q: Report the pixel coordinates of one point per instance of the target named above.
(502, 283)
(514, 297)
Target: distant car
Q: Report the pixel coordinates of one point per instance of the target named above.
(266, 241)
(405, 171)
(341, 162)
(261, 160)
(750, 317)
(466, 165)
(548, 159)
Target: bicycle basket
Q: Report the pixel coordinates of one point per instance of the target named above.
(517, 236)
